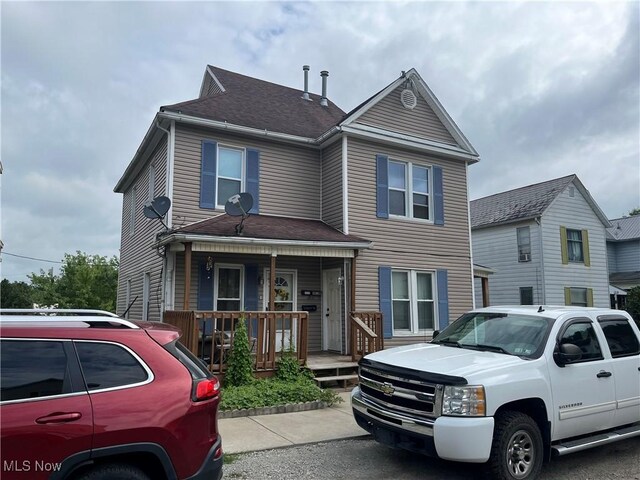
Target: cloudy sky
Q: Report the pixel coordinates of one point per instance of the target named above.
(541, 90)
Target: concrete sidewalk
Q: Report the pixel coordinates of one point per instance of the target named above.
(263, 432)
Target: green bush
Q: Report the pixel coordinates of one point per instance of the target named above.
(273, 392)
(240, 362)
(633, 304)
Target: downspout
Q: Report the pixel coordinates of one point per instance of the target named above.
(473, 281)
(167, 300)
(345, 187)
(544, 287)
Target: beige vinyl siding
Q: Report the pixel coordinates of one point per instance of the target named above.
(421, 121)
(332, 186)
(289, 176)
(404, 243)
(136, 254)
(309, 277)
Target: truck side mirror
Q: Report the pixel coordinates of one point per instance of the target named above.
(566, 353)
(435, 334)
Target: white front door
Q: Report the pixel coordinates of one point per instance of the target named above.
(285, 301)
(332, 309)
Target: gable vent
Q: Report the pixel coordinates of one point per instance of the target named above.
(408, 99)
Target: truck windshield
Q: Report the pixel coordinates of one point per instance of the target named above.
(511, 334)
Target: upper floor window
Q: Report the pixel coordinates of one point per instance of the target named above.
(524, 244)
(230, 173)
(574, 246)
(413, 306)
(409, 190)
(226, 171)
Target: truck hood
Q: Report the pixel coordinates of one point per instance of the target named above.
(446, 361)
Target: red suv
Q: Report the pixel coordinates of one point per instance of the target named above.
(87, 395)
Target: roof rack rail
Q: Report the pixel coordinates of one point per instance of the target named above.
(66, 315)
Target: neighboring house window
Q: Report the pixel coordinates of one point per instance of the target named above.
(128, 298)
(226, 171)
(146, 286)
(524, 245)
(228, 288)
(230, 173)
(152, 181)
(526, 295)
(413, 306)
(409, 190)
(578, 297)
(574, 246)
(132, 211)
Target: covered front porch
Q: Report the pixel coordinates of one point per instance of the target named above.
(291, 281)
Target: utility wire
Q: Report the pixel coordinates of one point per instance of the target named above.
(31, 258)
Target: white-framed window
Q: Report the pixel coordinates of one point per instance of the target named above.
(228, 287)
(524, 244)
(413, 301)
(152, 181)
(132, 211)
(574, 245)
(409, 190)
(230, 173)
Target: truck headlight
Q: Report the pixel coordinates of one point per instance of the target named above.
(467, 401)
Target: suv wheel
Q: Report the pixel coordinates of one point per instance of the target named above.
(113, 471)
(516, 451)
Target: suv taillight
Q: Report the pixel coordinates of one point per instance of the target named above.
(207, 388)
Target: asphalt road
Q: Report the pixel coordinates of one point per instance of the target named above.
(366, 459)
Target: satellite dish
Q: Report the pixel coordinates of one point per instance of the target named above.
(157, 209)
(239, 204)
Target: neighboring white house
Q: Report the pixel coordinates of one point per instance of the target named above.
(545, 243)
(623, 253)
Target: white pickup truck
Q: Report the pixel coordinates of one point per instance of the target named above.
(508, 387)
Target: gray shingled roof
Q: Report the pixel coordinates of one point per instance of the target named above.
(519, 204)
(255, 103)
(625, 228)
(270, 227)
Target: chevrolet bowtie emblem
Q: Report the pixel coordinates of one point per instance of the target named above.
(387, 389)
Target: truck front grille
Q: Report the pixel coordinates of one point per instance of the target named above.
(403, 395)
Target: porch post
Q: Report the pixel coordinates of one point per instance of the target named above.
(353, 281)
(485, 291)
(272, 283)
(187, 275)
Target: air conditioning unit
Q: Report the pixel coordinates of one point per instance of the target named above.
(525, 257)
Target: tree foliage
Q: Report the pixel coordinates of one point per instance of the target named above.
(240, 363)
(85, 281)
(15, 294)
(635, 211)
(633, 304)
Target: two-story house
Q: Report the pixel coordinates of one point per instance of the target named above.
(360, 214)
(623, 253)
(545, 244)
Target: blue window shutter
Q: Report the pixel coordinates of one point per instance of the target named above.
(382, 186)
(443, 299)
(208, 174)
(253, 178)
(205, 287)
(438, 198)
(384, 293)
(251, 288)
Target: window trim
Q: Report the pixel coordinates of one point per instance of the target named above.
(413, 302)
(216, 281)
(409, 191)
(218, 177)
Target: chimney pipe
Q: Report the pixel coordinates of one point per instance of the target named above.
(323, 100)
(305, 95)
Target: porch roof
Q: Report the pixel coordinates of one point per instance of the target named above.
(264, 231)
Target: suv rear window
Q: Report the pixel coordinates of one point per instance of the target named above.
(196, 367)
(32, 369)
(106, 365)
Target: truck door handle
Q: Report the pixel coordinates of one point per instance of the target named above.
(59, 417)
(603, 374)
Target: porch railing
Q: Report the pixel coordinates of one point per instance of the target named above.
(209, 335)
(366, 334)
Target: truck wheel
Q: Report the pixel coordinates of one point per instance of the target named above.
(516, 451)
